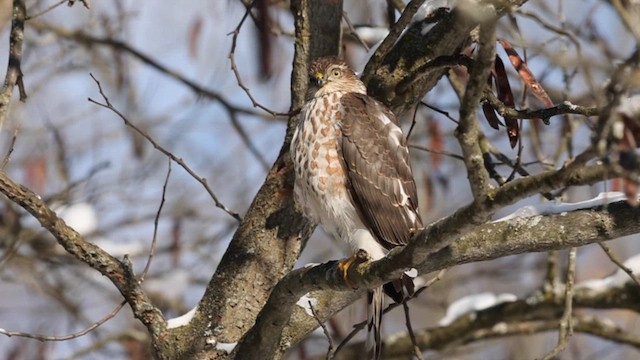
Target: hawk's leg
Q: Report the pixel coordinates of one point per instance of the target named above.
(351, 263)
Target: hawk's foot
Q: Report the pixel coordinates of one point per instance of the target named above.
(351, 263)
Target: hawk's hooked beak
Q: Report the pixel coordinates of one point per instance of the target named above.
(317, 79)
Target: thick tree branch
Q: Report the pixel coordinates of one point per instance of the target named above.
(468, 131)
(443, 232)
(436, 237)
(416, 48)
(272, 234)
(388, 43)
(489, 241)
(434, 242)
(523, 317)
(120, 273)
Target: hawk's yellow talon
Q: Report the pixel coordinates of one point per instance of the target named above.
(344, 266)
(355, 259)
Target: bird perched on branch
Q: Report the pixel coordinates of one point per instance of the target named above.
(353, 176)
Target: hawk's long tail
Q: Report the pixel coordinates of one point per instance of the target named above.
(374, 320)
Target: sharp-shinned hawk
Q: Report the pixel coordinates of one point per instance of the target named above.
(352, 172)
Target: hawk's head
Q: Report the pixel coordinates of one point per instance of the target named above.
(330, 74)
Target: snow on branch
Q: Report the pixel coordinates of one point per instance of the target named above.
(619, 279)
(472, 303)
(528, 211)
(182, 320)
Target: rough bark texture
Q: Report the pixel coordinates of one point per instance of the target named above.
(272, 234)
(486, 242)
(497, 321)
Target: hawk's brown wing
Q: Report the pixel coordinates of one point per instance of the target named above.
(378, 169)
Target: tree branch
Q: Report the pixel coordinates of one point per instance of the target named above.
(413, 50)
(487, 242)
(90, 40)
(544, 114)
(522, 317)
(387, 44)
(120, 273)
(468, 131)
(14, 72)
(272, 233)
(203, 181)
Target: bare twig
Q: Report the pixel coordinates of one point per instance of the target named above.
(395, 32)
(619, 263)
(203, 181)
(155, 224)
(70, 3)
(359, 326)
(628, 13)
(14, 72)
(237, 125)
(234, 41)
(518, 167)
(445, 113)
(586, 65)
(560, 109)
(75, 335)
(597, 326)
(46, 10)
(550, 284)
(119, 272)
(199, 90)
(566, 324)
(125, 336)
(12, 145)
(330, 351)
(440, 152)
(234, 121)
(63, 194)
(353, 31)
(520, 317)
(412, 336)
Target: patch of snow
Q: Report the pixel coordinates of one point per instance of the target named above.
(617, 130)
(226, 347)
(500, 328)
(523, 212)
(472, 303)
(412, 272)
(633, 263)
(560, 207)
(430, 7)
(616, 280)
(629, 106)
(81, 217)
(570, 105)
(375, 35)
(304, 301)
(181, 320)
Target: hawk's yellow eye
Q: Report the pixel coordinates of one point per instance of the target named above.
(336, 72)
